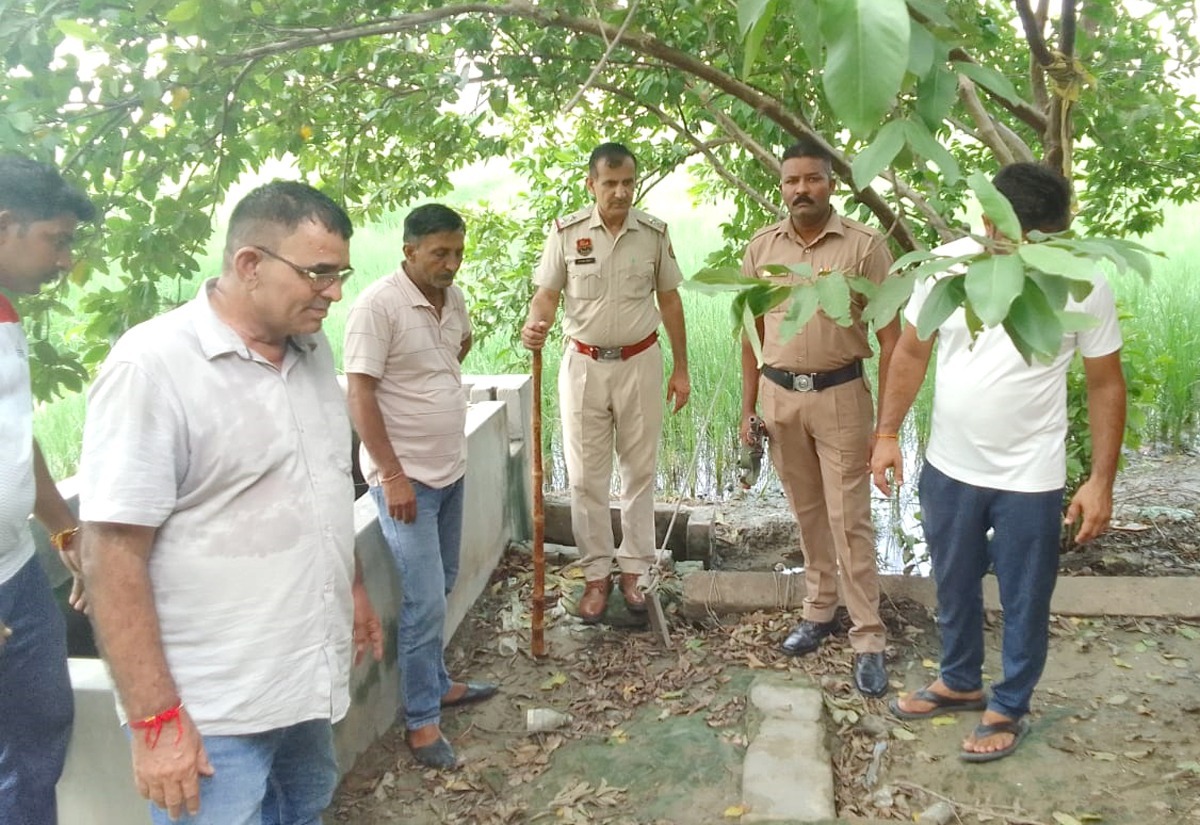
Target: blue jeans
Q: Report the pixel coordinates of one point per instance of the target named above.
(426, 553)
(1023, 552)
(36, 702)
(284, 776)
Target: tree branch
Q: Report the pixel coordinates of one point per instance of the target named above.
(1033, 33)
(603, 58)
(1066, 41)
(701, 146)
(902, 189)
(640, 42)
(1023, 111)
(983, 121)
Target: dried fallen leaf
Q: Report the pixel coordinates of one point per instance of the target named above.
(943, 721)
(1104, 756)
(903, 734)
(1117, 699)
(1188, 633)
(1065, 819)
(1119, 662)
(735, 811)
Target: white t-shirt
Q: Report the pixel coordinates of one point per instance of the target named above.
(17, 485)
(997, 421)
(244, 471)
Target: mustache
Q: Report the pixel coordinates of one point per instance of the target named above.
(799, 199)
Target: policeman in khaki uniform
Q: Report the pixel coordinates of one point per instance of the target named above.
(818, 412)
(617, 273)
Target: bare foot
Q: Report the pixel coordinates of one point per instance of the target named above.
(424, 735)
(909, 703)
(995, 742)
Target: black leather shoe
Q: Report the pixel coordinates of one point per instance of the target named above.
(870, 676)
(806, 637)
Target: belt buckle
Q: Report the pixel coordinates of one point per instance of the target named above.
(608, 353)
(802, 382)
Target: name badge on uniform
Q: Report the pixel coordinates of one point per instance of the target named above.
(585, 260)
(584, 247)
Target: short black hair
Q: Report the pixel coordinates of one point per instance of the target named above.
(809, 147)
(1039, 194)
(283, 204)
(429, 219)
(613, 155)
(35, 191)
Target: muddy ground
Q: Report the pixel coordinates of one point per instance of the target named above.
(658, 737)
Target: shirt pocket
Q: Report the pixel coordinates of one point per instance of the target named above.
(583, 280)
(637, 279)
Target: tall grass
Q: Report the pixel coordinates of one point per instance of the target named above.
(703, 434)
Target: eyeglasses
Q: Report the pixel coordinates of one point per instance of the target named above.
(319, 277)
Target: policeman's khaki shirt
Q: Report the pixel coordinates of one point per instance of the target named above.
(608, 284)
(844, 245)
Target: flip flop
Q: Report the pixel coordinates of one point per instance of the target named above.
(1018, 728)
(941, 705)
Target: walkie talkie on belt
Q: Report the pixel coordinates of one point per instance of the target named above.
(750, 455)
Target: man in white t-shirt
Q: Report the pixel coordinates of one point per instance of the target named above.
(219, 531)
(996, 461)
(38, 215)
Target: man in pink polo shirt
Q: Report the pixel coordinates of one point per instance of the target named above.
(406, 336)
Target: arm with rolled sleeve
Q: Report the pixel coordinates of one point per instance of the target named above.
(549, 278)
(670, 306)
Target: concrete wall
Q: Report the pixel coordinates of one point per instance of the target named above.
(97, 784)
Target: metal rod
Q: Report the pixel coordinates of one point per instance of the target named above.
(538, 613)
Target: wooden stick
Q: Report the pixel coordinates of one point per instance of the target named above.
(538, 613)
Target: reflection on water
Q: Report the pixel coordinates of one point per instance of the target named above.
(713, 477)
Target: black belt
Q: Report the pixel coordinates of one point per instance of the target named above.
(813, 381)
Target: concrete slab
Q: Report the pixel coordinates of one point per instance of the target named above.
(787, 775)
(1164, 597)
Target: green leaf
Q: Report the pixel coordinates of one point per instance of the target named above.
(804, 12)
(800, 311)
(1056, 261)
(749, 326)
(834, 295)
(1054, 287)
(947, 295)
(757, 32)
(866, 54)
(910, 258)
(73, 28)
(1036, 322)
(751, 12)
(992, 284)
(183, 12)
(926, 145)
(936, 93)
(714, 280)
(995, 206)
(990, 79)
(939, 264)
(878, 155)
(932, 10)
(887, 300)
(920, 50)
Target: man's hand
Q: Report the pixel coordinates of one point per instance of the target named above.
(1093, 501)
(679, 388)
(401, 499)
(71, 560)
(885, 455)
(745, 436)
(533, 334)
(168, 771)
(5, 632)
(368, 630)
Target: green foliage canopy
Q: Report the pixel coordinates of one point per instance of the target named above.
(159, 106)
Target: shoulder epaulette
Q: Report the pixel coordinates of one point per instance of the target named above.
(572, 219)
(654, 223)
(766, 230)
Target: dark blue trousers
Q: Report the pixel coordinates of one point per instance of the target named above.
(36, 703)
(1023, 553)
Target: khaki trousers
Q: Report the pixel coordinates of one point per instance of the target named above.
(819, 443)
(602, 403)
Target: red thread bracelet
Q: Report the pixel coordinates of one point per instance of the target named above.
(153, 725)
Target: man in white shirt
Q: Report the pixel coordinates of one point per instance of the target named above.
(38, 216)
(996, 462)
(219, 538)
